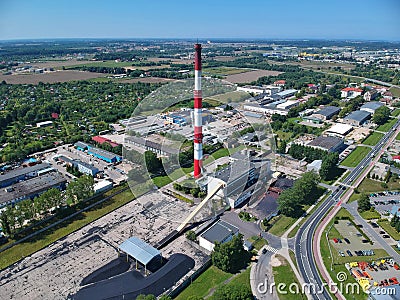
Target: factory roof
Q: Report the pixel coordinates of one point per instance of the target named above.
(219, 232)
(30, 187)
(325, 142)
(22, 171)
(151, 144)
(374, 105)
(328, 111)
(139, 250)
(285, 93)
(234, 170)
(358, 115)
(103, 153)
(81, 145)
(341, 129)
(86, 165)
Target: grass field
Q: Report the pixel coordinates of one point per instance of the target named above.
(389, 229)
(395, 91)
(396, 112)
(26, 248)
(370, 214)
(284, 274)
(356, 156)
(398, 137)
(235, 96)
(258, 242)
(210, 278)
(373, 139)
(386, 127)
(370, 186)
(281, 225)
(224, 71)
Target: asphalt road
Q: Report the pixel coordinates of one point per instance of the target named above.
(304, 239)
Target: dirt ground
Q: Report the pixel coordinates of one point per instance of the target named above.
(251, 76)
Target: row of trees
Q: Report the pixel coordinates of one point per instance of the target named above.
(193, 190)
(310, 154)
(15, 217)
(304, 192)
(395, 222)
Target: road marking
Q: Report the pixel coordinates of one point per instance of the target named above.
(271, 249)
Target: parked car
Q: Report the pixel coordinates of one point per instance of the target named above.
(347, 240)
(335, 240)
(349, 253)
(382, 232)
(386, 236)
(373, 224)
(341, 253)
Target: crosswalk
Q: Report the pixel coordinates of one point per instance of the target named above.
(271, 249)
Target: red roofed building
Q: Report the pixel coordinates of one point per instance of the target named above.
(351, 92)
(54, 115)
(280, 82)
(396, 158)
(101, 140)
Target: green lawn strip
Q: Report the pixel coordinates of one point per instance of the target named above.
(293, 257)
(356, 156)
(373, 139)
(398, 137)
(281, 224)
(30, 246)
(336, 174)
(242, 278)
(387, 126)
(370, 214)
(389, 229)
(258, 242)
(396, 112)
(395, 91)
(284, 274)
(201, 286)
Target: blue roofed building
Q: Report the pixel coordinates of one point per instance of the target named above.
(371, 107)
(357, 117)
(104, 155)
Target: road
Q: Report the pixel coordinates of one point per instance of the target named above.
(261, 278)
(304, 239)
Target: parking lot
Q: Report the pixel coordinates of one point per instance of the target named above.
(57, 270)
(116, 173)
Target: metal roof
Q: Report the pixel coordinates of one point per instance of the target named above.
(328, 111)
(219, 232)
(23, 171)
(139, 250)
(374, 105)
(358, 115)
(325, 142)
(103, 153)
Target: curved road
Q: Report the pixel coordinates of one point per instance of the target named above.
(304, 238)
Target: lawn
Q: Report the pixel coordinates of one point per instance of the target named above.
(201, 287)
(26, 248)
(396, 112)
(242, 278)
(371, 186)
(223, 71)
(398, 137)
(395, 91)
(370, 214)
(285, 275)
(389, 229)
(356, 156)
(373, 139)
(387, 126)
(281, 224)
(258, 242)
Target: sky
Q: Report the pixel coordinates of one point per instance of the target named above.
(205, 19)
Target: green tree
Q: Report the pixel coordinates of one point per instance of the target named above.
(191, 235)
(233, 292)
(363, 203)
(152, 162)
(80, 189)
(381, 115)
(329, 166)
(230, 256)
(146, 297)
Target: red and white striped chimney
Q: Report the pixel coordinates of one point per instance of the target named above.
(198, 131)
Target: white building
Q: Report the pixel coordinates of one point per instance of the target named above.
(351, 92)
(102, 186)
(44, 124)
(288, 104)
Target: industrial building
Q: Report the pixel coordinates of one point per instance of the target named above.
(371, 107)
(327, 113)
(99, 153)
(220, 232)
(339, 130)
(287, 93)
(16, 175)
(357, 117)
(31, 188)
(266, 110)
(83, 167)
(44, 124)
(328, 143)
(157, 148)
(288, 104)
(239, 179)
(102, 186)
(101, 140)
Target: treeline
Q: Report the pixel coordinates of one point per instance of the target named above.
(304, 192)
(374, 72)
(13, 218)
(308, 153)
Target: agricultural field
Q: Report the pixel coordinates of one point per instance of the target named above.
(236, 96)
(356, 156)
(373, 139)
(52, 77)
(395, 91)
(224, 71)
(251, 76)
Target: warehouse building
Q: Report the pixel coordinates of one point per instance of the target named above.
(31, 188)
(81, 146)
(357, 117)
(220, 232)
(86, 168)
(339, 130)
(157, 148)
(240, 179)
(328, 143)
(104, 155)
(327, 113)
(287, 93)
(19, 174)
(371, 107)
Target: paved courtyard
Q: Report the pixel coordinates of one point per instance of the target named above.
(57, 270)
